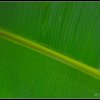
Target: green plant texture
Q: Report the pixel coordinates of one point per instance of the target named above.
(49, 50)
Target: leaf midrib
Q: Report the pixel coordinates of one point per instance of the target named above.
(51, 53)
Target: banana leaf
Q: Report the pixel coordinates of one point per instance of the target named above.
(68, 35)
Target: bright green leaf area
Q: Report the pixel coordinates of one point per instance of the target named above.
(25, 73)
(70, 28)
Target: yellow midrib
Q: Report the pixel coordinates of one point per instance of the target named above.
(60, 57)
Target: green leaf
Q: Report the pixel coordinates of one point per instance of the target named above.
(66, 31)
